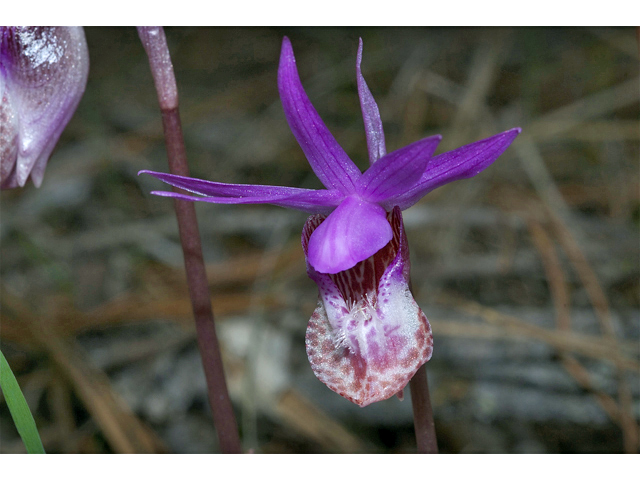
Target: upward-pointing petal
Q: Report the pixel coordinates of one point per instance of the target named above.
(326, 157)
(370, 115)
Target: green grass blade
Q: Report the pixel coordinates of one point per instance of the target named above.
(19, 409)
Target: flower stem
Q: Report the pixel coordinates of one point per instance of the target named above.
(422, 412)
(155, 44)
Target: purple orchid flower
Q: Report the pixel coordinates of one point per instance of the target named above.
(367, 336)
(43, 74)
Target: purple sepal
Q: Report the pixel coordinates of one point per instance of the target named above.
(370, 114)
(327, 158)
(306, 200)
(463, 162)
(397, 172)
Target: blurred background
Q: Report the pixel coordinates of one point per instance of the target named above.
(529, 272)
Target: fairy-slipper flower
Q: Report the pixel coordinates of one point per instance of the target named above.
(43, 74)
(367, 336)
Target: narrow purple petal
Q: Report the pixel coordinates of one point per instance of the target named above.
(397, 172)
(215, 189)
(463, 162)
(311, 201)
(370, 115)
(354, 231)
(326, 157)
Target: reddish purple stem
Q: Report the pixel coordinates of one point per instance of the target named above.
(155, 44)
(422, 413)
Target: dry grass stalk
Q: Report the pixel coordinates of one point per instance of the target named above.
(562, 302)
(125, 432)
(601, 306)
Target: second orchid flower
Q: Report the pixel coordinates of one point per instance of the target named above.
(43, 74)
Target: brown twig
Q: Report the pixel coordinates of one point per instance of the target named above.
(587, 345)
(123, 430)
(555, 276)
(562, 302)
(503, 326)
(601, 306)
(155, 44)
(304, 417)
